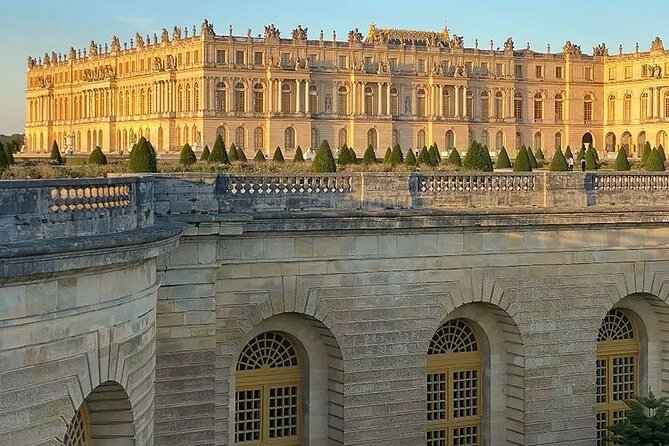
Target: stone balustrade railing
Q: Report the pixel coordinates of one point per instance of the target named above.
(625, 181)
(48, 209)
(288, 184)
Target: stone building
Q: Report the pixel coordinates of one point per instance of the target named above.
(410, 87)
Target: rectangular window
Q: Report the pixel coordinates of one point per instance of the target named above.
(484, 68)
(539, 72)
(519, 71)
(587, 111)
(313, 60)
(196, 57)
(393, 64)
(220, 56)
(612, 73)
(239, 57)
(188, 58)
(558, 72)
(257, 58)
(499, 69)
(588, 73)
(420, 66)
(342, 62)
(628, 72)
(469, 66)
(558, 111)
(285, 59)
(180, 59)
(141, 66)
(644, 70)
(368, 63)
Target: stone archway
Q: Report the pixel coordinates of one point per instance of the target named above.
(104, 417)
(587, 140)
(610, 142)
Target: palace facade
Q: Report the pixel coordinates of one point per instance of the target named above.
(409, 87)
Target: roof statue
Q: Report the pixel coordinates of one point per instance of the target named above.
(140, 40)
(272, 32)
(115, 44)
(508, 44)
(165, 36)
(657, 45)
(300, 33)
(457, 42)
(176, 33)
(93, 49)
(354, 35)
(600, 50)
(73, 53)
(570, 48)
(407, 37)
(207, 28)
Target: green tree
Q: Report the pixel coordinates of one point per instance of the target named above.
(233, 153)
(533, 160)
(646, 152)
(539, 155)
(580, 155)
(97, 157)
(410, 158)
(663, 155)
(454, 158)
(324, 160)
(559, 162)
(187, 156)
(260, 157)
(241, 154)
(370, 156)
(143, 157)
(567, 152)
(503, 161)
(388, 154)
(298, 157)
(522, 162)
(344, 157)
(9, 152)
(647, 423)
(55, 157)
(219, 154)
(622, 163)
(424, 157)
(434, 154)
(654, 162)
(591, 162)
(278, 155)
(396, 157)
(205, 154)
(352, 155)
(477, 158)
(4, 164)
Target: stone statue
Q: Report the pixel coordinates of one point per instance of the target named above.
(248, 34)
(73, 53)
(328, 103)
(657, 45)
(93, 49)
(272, 32)
(31, 62)
(407, 105)
(570, 48)
(54, 57)
(508, 44)
(354, 35)
(320, 36)
(176, 33)
(171, 63)
(600, 50)
(115, 45)
(457, 42)
(140, 40)
(207, 28)
(46, 59)
(165, 36)
(300, 33)
(158, 64)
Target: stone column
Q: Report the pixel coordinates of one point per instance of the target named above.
(465, 112)
(279, 95)
(298, 105)
(457, 101)
(658, 108)
(270, 96)
(650, 102)
(307, 97)
(379, 110)
(441, 100)
(388, 99)
(414, 101)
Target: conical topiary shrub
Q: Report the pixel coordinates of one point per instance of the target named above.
(260, 157)
(97, 157)
(424, 157)
(388, 154)
(434, 154)
(454, 158)
(241, 155)
(539, 155)
(396, 157)
(278, 155)
(591, 162)
(486, 151)
(477, 158)
(660, 150)
(559, 162)
(4, 164)
(369, 157)
(410, 158)
(187, 156)
(522, 161)
(298, 157)
(344, 157)
(219, 154)
(233, 153)
(622, 163)
(55, 157)
(352, 156)
(9, 156)
(645, 153)
(567, 152)
(533, 160)
(142, 157)
(503, 161)
(580, 155)
(324, 160)
(204, 156)
(654, 162)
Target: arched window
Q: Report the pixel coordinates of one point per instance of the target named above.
(188, 99)
(394, 102)
(369, 101)
(313, 100)
(268, 392)
(395, 137)
(485, 105)
(142, 102)
(420, 139)
(446, 99)
(450, 140)
(454, 386)
(160, 138)
(420, 103)
(518, 106)
(643, 107)
(258, 137)
(499, 140)
(127, 103)
(342, 101)
(558, 140)
(258, 98)
(286, 98)
(178, 131)
(499, 105)
(470, 138)
(343, 137)
(223, 132)
(315, 137)
(519, 140)
(470, 103)
(240, 137)
(587, 108)
(627, 108)
(617, 369)
(538, 107)
(537, 140)
(485, 139)
(611, 110)
(196, 97)
(149, 102)
(289, 138)
(666, 105)
(558, 108)
(240, 94)
(372, 138)
(220, 96)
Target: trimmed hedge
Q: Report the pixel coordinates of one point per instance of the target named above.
(219, 154)
(233, 153)
(424, 157)
(454, 158)
(324, 160)
(567, 152)
(434, 154)
(533, 160)
(539, 155)
(260, 157)
(477, 158)
(187, 156)
(522, 162)
(645, 153)
(388, 154)
(396, 156)
(660, 150)
(370, 156)
(654, 162)
(97, 157)
(241, 154)
(559, 162)
(503, 161)
(346, 156)
(204, 156)
(143, 157)
(622, 163)
(55, 157)
(591, 162)
(278, 156)
(298, 157)
(410, 158)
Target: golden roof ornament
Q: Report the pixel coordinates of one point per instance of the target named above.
(407, 37)
(657, 45)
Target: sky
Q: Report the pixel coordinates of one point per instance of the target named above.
(31, 28)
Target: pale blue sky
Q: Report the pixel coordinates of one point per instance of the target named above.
(34, 27)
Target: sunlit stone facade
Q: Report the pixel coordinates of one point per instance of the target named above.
(410, 87)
